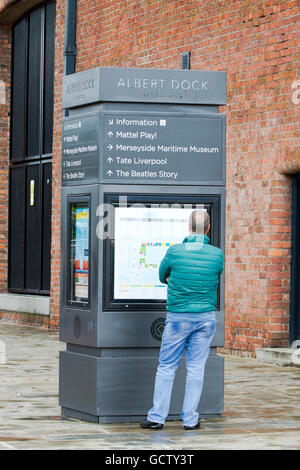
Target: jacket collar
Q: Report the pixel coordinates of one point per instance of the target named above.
(197, 238)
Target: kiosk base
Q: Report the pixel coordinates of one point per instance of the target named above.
(114, 389)
(67, 413)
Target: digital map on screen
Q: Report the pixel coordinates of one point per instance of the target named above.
(142, 237)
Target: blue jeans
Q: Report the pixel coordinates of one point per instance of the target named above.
(196, 336)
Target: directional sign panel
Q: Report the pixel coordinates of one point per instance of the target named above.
(142, 148)
(168, 149)
(80, 149)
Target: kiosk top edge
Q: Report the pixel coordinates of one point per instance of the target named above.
(144, 85)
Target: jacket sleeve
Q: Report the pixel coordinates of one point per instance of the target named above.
(165, 268)
(221, 263)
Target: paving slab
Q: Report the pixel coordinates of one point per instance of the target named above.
(261, 406)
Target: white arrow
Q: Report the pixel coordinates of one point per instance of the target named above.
(110, 133)
(110, 121)
(109, 172)
(109, 147)
(110, 160)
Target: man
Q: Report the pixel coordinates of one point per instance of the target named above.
(191, 269)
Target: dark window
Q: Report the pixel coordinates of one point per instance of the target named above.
(19, 82)
(295, 264)
(17, 233)
(32, 85)
(31, 151)
(35, 78)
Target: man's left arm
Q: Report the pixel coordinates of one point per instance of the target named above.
(221, 263)
(165, 269)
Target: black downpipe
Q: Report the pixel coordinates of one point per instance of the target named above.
(70, 49)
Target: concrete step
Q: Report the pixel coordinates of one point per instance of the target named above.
(279, 356)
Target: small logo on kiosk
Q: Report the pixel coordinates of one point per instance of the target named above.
(80, 86)
(77, 327)
(157, 328)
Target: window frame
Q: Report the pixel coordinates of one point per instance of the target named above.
(294, 330)
(73, 200)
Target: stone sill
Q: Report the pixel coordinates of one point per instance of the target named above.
(37, 304)
(279, 356)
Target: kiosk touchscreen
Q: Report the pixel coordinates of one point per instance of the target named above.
(142, 149)
(142, 238)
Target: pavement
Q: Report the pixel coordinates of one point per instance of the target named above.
(261, 406)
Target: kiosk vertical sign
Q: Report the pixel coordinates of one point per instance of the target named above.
(80, 149)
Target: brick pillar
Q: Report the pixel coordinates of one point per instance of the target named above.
(56, 164)
(5, 59)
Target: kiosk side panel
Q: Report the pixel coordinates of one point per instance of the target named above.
(79, 262)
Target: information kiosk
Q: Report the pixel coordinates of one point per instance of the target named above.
(141, 148)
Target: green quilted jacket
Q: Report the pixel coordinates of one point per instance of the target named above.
(193, 268)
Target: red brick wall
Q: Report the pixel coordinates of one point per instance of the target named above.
(5, 54)
(56, 163)
(4, 4)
